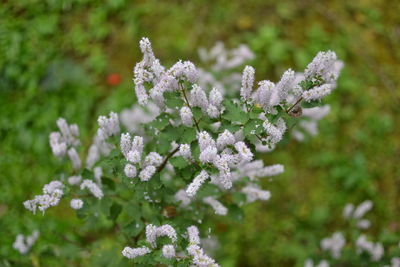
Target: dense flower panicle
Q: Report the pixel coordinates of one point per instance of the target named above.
(317, 93)
(141, 94)
(254, 193)
(108, 126)
(134, 156)
(98, 148)
(98, 173)
(247, 82)
(363, 224)
(274, 133)
(168, 251)
(70, 133)
(284, 85)
(225, 175)
(208, 154)
(215, 97)
(216, 205)
(146, 174)
(183, 197)
(323, 65)
(132, 253)
(51, 197)
(212, 111)
(186, 116)
(362, 209)
(152, 232)
(224, 139)
(132, 117)
(147, 51)
(93, 188)
(193, 235)
(58, 146)
(185, 151)
(272, 170)
(76, 204)
(348, 210)
(153, 158)
(263, 94)
(196, 183)
(205, 140)
(74, 180)
(125, 143)
(185, 71)
(244, 151)
(74, 157)
(198, 98)
(23, 244)
(200, 258)
(334, 244)
(375, 250)
(130, 171)
(137, 144)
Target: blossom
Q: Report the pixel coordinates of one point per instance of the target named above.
(186, 116)
(274, 133)
(93, 188)
(199, 257)
(215, 97)
(205, 140)
(108, 126)
(132, 253)
(137, 144)
(193, 234)
(334, 244)
(212, 111)
(125, 143)
(184, 151)
(225, 138)
(134, 156)
(198, 97)
(216, 205)
(284, 85)
(244, 151)
(254, 193)
(130, 171)
(23, 244)
(184, 71)
(317, 93)
(183, 197)
(146, 174)
(363, 208)
(76, 204)
(75, 180)
(323, 65)
(51, 197)
(263, 94)
(74, 157)
(152, 232)
(208, 154)
(168, 251)
(196, 183)
(153, 158)
(247, 82)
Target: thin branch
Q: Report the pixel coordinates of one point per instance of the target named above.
(187, 103)
(162, 166)
(295, 104)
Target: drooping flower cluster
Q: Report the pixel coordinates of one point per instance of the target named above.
(67, 137)
(357, 213)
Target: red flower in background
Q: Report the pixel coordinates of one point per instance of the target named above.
(113, 79)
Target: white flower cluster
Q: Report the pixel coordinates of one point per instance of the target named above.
(52, 193)
(93, 188)
(108, 126)
(334, 244)
(168, 251)
(194, 249)
(68, 136)
(76, 203)
(152, 232)
(375, 250)
(24, 243)
(310, 263)
(196, 183)
(216, 205)
(132, 149)
(357, 213)
(253, 193)
(132, 253)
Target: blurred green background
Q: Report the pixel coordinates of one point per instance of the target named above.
(55, 57)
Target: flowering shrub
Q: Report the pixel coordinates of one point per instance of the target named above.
(351, 247)
(195, 155)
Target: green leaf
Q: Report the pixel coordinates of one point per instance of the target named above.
(179, 162)
(234, 113)
(160, 122)
(173, 100)
(133, 228)
(189, 135)
(115, 210)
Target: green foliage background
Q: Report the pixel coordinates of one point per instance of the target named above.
(54, 60)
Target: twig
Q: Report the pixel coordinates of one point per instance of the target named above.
(295, 104)
(161, 167)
